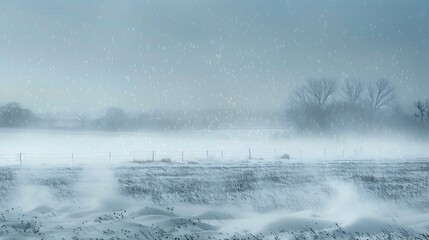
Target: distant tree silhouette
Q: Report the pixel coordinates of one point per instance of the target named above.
(352, 91)
(422, 107)
(14, 115)
(380, 94)
(113, 119)
(309, 109)
(82, 120)
(318, 91)
(315, 108)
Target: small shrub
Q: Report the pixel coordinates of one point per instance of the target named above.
(166, 160)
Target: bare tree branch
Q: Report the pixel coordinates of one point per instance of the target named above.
(309, 103)
(320, 90)
(422, 108)
(352, 90)
(381, 94)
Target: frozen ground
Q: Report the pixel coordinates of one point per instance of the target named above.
(242, 200)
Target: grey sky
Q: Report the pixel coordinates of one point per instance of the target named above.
(87, 55)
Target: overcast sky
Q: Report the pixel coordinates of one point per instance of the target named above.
(63, 56)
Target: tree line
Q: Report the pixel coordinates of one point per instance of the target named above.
(14, 115)
(316, 106)
(327, 105)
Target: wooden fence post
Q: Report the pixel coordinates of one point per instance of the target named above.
(182, 156)
(20, 159)
(250, 154)
(153, 155)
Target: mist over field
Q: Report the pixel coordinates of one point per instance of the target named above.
(214, 119)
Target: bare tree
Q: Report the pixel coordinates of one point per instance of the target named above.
(314, 94)
(381, 94)
(318, 91)
(309, 104)
(300, 99)
(422, 108)
(352, 90)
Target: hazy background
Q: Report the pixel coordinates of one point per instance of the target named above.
(73, 56)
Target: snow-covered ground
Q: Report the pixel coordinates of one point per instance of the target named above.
(365, 189)
(253, 199)
(38, 147)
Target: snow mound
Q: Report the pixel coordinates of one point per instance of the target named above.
(375, 226)
(295, 224)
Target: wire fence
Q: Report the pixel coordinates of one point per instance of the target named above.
(333, 153)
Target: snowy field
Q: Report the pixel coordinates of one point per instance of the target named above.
(247, 200)
(38, 147)
(313, 195)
